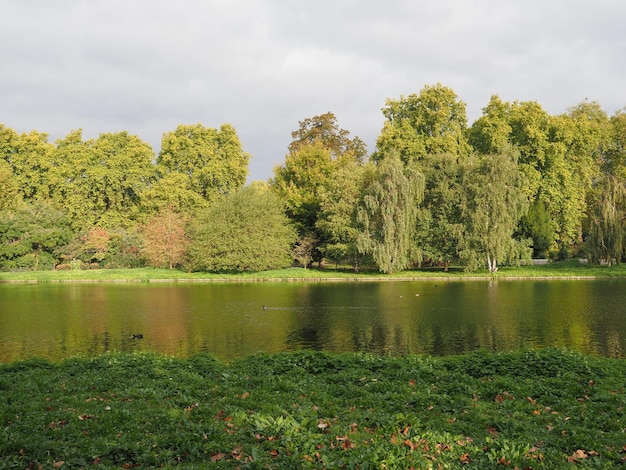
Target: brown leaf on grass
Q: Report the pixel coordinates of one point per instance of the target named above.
(504, 461)
(412, 383)
(410, 444)
(465, 458)
(491, 430)
(245, 395)
(217, 456)
(347, 445)
(406, 430)
(58, 464)
(578, 455)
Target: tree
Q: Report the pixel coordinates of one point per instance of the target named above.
(9, 192)
(243, 231)
(165, 241)
(33, 236)
(29, 158)
(172, 191)
(434, 121)
(493, 204)
(440, 223)
(212, 160)
(298, 183)
(336, 221)
(325, 130)
(319, 150)
(387, 213)
(99, 182)
(607, 233)
(491, 132)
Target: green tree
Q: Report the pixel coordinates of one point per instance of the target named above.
(491, 132)
(607, 233)
(100, 181)
(387, 213)
(493, 204)
(440, 223)
(336, 220)
(434, 121)
(319, 150)
(212, 160)
(298, 182)
(243, 231)
(33, 236)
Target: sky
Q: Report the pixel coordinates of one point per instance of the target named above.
(147, 66)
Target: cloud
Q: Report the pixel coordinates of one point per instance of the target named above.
(264, 65)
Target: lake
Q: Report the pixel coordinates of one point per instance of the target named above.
(230, 320)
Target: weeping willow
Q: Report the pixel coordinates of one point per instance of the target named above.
(606, 231)
(387, 214)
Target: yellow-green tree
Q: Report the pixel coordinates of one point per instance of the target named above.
(212, 160)
(433, 122)
(100, 181)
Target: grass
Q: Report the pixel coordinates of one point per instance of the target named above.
(529, 409)
(567, 269)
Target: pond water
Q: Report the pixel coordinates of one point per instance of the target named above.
(230, 320)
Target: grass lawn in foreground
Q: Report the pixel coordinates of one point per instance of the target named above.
(529, 409)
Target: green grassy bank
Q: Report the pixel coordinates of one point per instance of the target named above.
(530, 409)
(567, 269)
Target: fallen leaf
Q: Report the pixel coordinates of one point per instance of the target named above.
(245, 395)
(465, 458)
(58, 464)
(216, 457)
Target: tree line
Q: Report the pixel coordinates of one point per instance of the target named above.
(515, 184)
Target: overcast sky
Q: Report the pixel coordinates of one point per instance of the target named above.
(146, 66)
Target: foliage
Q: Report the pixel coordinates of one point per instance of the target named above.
(319, 149)
(527, 409)
(607, 235)
(325, 130)
(9, 193)
(493, 205)
(336, 220)
(440, 222)
(165, 241)
(245, 231)
(212, 160)
(432, 122)
(99, 181)
(32, 236)
(387, 214)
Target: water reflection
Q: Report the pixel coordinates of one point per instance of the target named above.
(229, 320)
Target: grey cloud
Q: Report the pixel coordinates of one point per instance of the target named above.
(263, 65)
